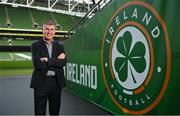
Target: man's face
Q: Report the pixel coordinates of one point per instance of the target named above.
(49, 32)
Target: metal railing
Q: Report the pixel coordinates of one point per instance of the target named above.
(96, 8)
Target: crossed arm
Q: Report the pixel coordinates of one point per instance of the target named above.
(45, 59)
(43, 63)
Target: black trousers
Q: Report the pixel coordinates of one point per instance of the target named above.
(50, 94)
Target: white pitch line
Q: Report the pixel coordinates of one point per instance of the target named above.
(24, 56)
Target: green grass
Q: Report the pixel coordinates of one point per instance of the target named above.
(15, 68)
(15, 64)
(15, 72)
(14, 56)
(5, 55)
(17, 42)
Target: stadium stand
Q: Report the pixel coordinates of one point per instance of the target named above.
(3, 16)
(63, 20)
(54, 19)
(40, 16)
(19, 15)
(35, 24)
(26, 18)
(8, 22)
(20, 26)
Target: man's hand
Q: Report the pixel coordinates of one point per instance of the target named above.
(44, 59)
(61, 56)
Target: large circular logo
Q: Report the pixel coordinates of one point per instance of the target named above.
(136, 57)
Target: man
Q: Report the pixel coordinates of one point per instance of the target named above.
(48, 59)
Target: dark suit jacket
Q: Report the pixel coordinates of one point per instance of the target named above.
(40, 50)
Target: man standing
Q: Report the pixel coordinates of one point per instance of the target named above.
(48, 59)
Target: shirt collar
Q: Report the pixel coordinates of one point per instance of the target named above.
(46, 42)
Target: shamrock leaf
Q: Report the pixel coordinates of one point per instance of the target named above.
(121, 68)
(134, 56)
(137, 57)
(124, 43)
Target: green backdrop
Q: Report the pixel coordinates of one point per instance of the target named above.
(125, 59)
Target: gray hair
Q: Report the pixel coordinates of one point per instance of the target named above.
(49, 22)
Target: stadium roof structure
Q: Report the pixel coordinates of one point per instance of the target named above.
(70, 7)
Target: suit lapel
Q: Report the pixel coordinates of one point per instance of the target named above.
(53, 50)
(44, 48)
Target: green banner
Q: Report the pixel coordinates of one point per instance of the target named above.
(125, 59)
